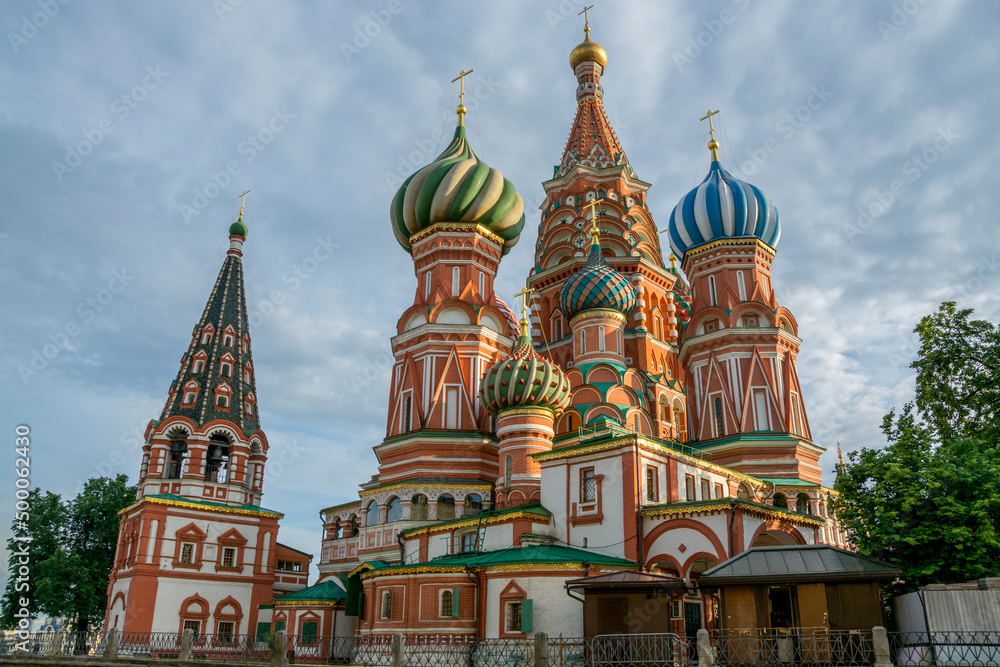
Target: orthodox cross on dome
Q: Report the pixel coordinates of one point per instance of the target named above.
(243, 201)
(525, 294)
(460, 109)
(713, 145)
(594, 231)
(586, 20)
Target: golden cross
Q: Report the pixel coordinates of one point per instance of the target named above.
(594, 231)
(525, 294)
(243, 201)
(711, 128)
(461, 77)
(586, 20)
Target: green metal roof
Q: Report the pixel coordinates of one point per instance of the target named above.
(542, 554)
(784, 481)
(486, 515)
(325, 591)
(788, 564)
(208, 504)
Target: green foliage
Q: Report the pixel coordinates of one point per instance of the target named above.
(929, 502)
(958, 375)
(70, 552)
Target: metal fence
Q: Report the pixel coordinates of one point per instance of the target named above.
(775, 646)
(944, 649)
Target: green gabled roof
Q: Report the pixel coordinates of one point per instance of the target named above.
(326, 591)
(171, 499)
(227, 305)
(294, 549)
(536, 555)
(487, 516)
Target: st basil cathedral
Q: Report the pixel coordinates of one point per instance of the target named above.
(638, 424)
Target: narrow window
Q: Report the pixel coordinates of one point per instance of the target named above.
(226, 369)
(229, 557)
(795, 415)
(583, 341)
(720, 424)
(206, 338)
(635, 423)
(513, 617)
(618, 338)
(246, 375)
(446, 507)
(469, 541)
(711, 291)
(656, 328)
(741, 286)
(600, 339)
(227, 341)
(446, 602)
(760, 409)
(187, 553)
(454, 281)
(386, 604)
(705, 493)
(652, 484)
(427, 285)
(225, 634)
(199, 366)
(451, 408)
(407, 406)
(589, 489)
(482, 283)
(556, 328)
(508, 472)
(189, 397)
(689, 487)
(718, 490)
(222, 401)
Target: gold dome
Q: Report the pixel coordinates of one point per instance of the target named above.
(588, 51)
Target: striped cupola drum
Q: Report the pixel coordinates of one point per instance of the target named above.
(527, 393)
(722, 207)
(457, 187)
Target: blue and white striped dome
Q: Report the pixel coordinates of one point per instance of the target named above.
(722, 207)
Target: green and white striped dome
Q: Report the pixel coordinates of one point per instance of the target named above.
(457, 187)
(525, 380)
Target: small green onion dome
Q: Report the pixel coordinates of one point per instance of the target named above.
(596, 285)
(457, 187)
(238, 228)
(525, 380)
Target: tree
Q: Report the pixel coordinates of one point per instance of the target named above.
(929, 501)
(958, 375)
(71, 552)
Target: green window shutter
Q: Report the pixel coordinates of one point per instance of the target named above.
(354, 605)
(310, 629)
(526, 616)
(279, 626)
(263, 629)
(454, 602)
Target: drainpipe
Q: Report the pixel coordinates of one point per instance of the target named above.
(732, 519)
(638, 514)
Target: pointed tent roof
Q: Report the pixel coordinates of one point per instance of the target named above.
(226, 311)
(325, 592)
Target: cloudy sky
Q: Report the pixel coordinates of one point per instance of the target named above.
(128, 130)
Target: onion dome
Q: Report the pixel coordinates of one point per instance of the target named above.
(588, 51)
(457, 187)
(722, 207)
(525, 380)
(238, 228)
(596, 285)
(507, 313)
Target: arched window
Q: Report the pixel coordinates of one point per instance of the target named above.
(780, 500)
(473, 505)
(454, 280)
(418, 507)
(427, 284)
(508, 471)
(743, 491)
(199, 366)
(355, 526)
(583, 341)
(217, 461)
(371, 514)
(446, 507)
(600, 339)
(741, 286)
(227, 340)
(447, 602)
(802, 504)
(175, 468)
(206, 338)
(226, 369)
(713, 301)
(395, 511)
(221, 401)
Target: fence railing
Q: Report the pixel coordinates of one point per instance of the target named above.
(728, 649)
(943, 649)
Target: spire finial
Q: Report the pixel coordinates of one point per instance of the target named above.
(673, 262)
(243, 201)
(586, 22)
(525, 294)
(840, 453)
(595, 232)
(460, 109)
(713, 145)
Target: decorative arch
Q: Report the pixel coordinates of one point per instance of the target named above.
(228, 611)
(194, 609)
(776, 528)
(673, 524)
(692, 560)
(653, 561)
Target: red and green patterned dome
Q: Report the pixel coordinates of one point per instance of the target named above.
(525, 380)
(457, 187)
